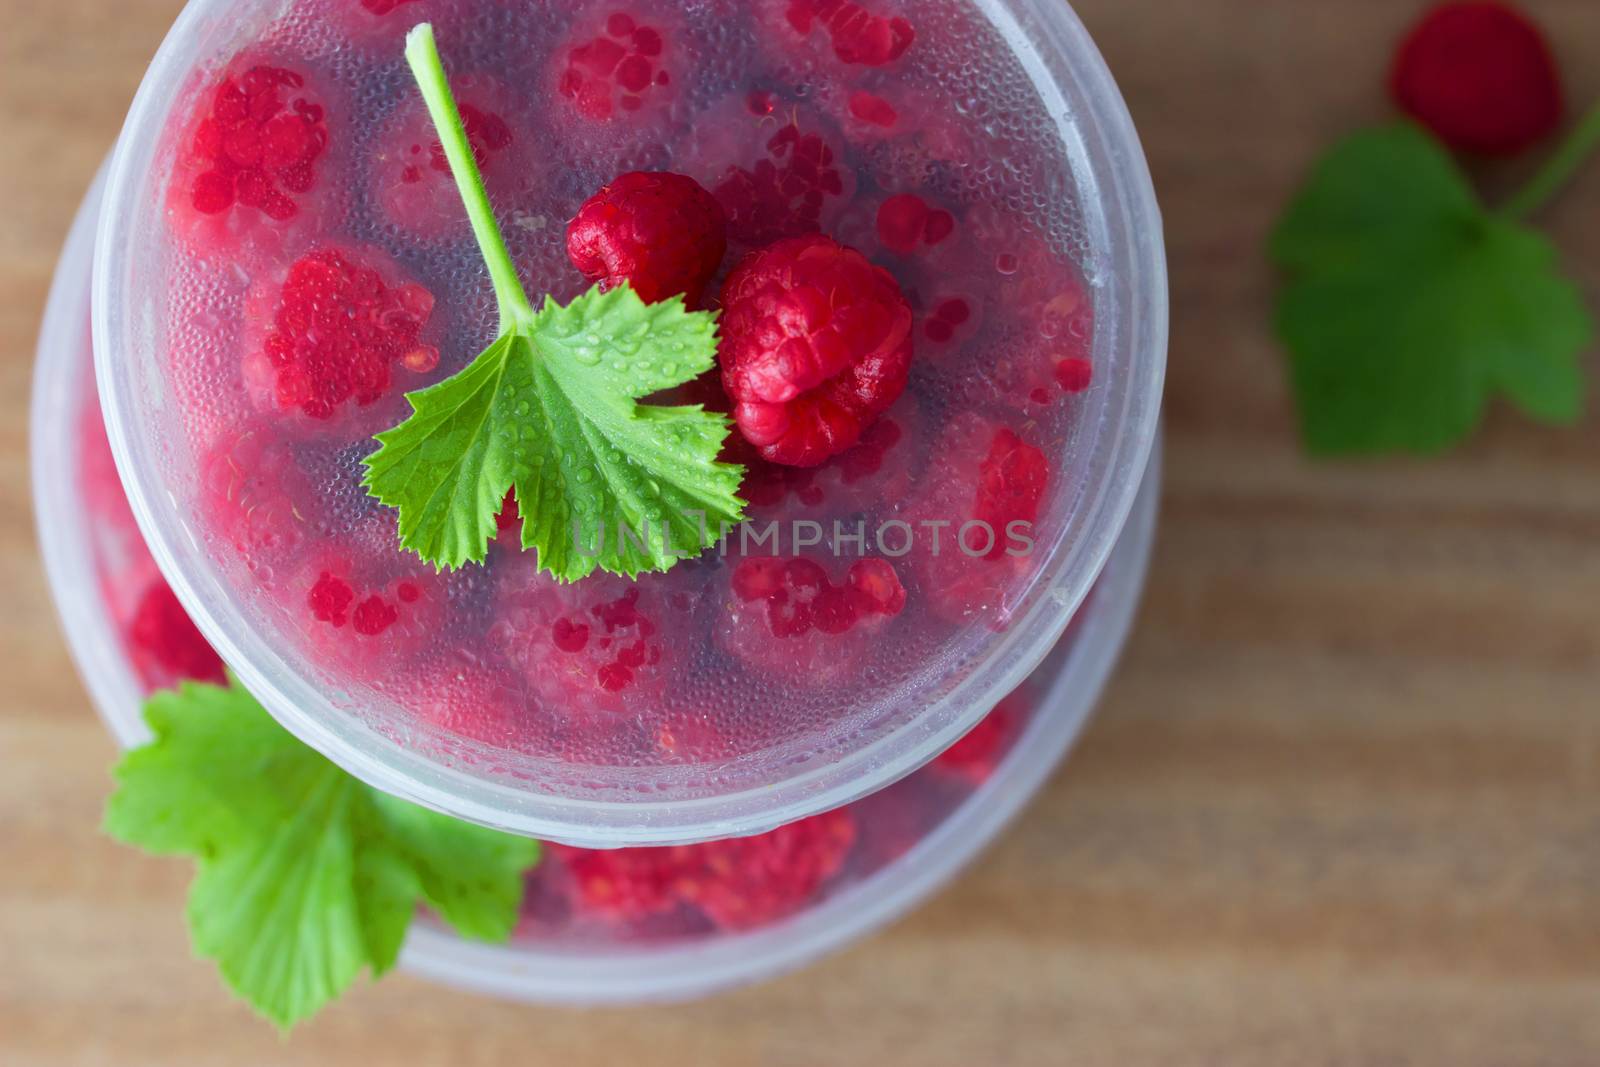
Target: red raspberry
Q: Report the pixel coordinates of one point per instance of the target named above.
(363, 615)
(1480, 76)
(250, 160)
(739, 884)
(856, 34)
(411, 178)
(816, 344)
(787, 617)
(992, 478)
(750, 882)
(661, 233)
(776, 169)
(257, 497)
(165, 643)
(973, 759)
(605, 644)
(620, 65)
(875, 474)
(338, 322)
(906, 224)
(623, 885)
(997, 269)
(468, 701)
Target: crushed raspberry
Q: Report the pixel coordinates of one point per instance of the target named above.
(330, 599)
(993, 479)
(336, 333)
(618, 64)
(165, 643)
(661, 233)
(1480, 76)
(975, 757)
(411, 177)
(739, 884)
(258, 144)
(776, 169)
(1074, 374)
(789, 617)
(906, 223)
(857, 34)
(816, 344)
(603, 644)
(384, 7)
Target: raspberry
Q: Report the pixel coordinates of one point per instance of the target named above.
(993, 478)
(1480, 76)
(251, 158)
(257, 497)
(907, 223)
(816, 344)
(622, 885)
(411, 178)
(876, 473)
(1042, 351)
(337, 328)
(776, 173)
(739, 884)
(165, 644)
(973, 759)
(855, 34)
(749, 882)
(467, 701)
(619, 65)
(787, 617)
(661, 233)
(350, 609)
(603, 644)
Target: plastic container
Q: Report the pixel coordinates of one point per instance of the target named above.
(90, 557)
(609, 805)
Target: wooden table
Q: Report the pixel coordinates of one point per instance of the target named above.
(1342, 804)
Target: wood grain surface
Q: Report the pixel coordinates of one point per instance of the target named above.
(1341, 805)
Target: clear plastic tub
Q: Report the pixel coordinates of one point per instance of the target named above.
(937, 824)
(857, 746)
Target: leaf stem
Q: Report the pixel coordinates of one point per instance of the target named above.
(423, 55)
(1558, 171)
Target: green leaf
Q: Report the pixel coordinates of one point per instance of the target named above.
(306, 877)
(550, 409)
(1407, 305)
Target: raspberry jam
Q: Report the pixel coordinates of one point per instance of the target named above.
(873, 196)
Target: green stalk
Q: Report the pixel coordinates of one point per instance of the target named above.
(1558, 171)
(423, 55)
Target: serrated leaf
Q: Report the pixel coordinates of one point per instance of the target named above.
(1408, 305)
(306, 876)
(551, 410)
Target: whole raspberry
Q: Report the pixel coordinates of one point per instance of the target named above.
(337, 330)
(1480, 76)
(661, 233)
(166, 645)
(816, 344)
